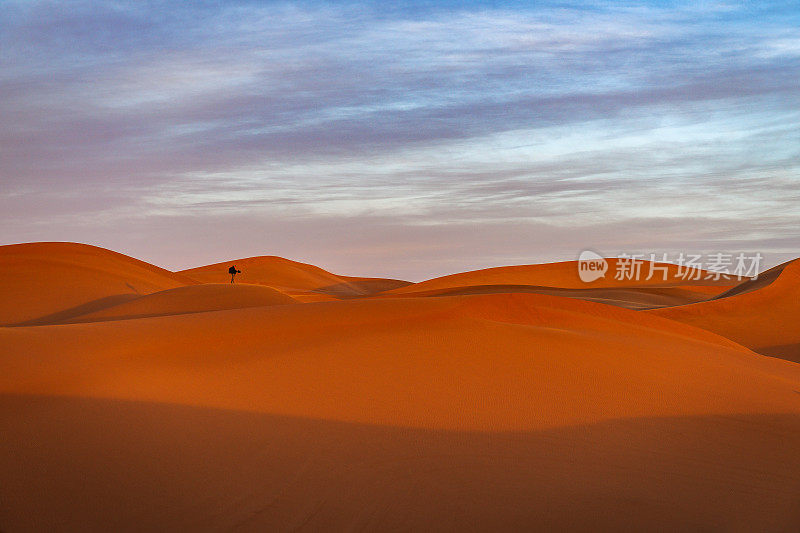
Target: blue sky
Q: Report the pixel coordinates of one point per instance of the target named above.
(408, 141)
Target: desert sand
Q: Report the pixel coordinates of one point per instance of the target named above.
(137, 399)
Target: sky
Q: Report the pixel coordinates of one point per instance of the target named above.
(401, 139)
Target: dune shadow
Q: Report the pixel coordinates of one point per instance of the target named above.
(641, 298)
(764, 279)
(360, 288)
(88, 307)
(789, 352)
(94, 465)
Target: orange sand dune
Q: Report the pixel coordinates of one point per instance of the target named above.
(562, 279)
(564, 275)
(488, 362)
(53, 281)
(291, 277)
(191, 299)
(478, 412)
(763, 314)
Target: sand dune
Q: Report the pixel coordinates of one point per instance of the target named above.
(563, 275)
(216, 407)
(291, 277)
(493, 362)
(52, 281)
(562, 279)
(763, 314)
(191, 299)
(541, 412)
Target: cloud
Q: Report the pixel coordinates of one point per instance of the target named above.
(446, 117)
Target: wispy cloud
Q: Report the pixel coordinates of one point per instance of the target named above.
(422, 123)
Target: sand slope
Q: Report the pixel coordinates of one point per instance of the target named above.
(511, 362)
(207, 407)
(191, 299)
(395, 413)
(51, 281)
(763, 314)
(102, 465)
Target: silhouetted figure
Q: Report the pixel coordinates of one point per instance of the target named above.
(232, 271)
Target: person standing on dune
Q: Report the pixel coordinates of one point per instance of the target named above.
(232, 271)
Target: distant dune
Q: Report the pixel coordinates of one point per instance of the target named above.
(664, 288)
(297, 399)
(763, 314)
(292, 277)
